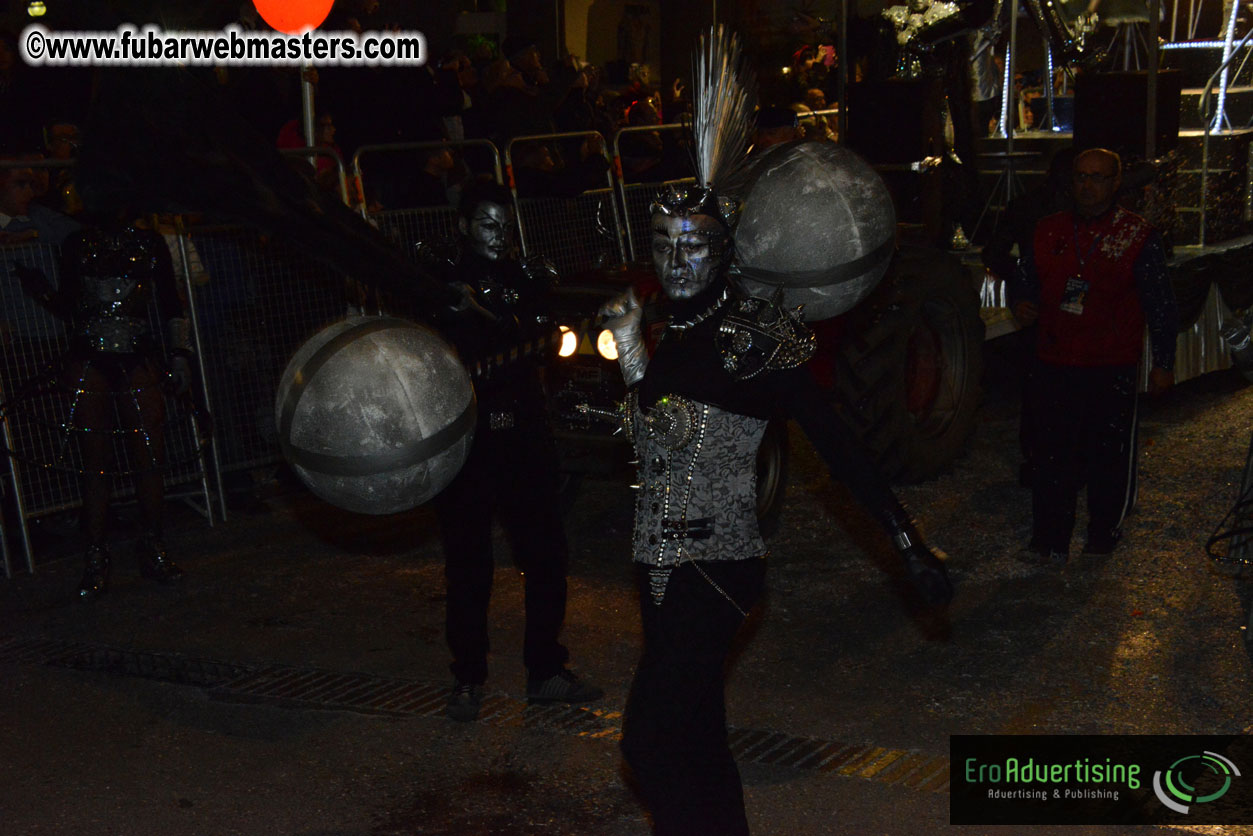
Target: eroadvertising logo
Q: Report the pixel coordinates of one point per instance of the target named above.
(1099, 779)
(1172, 788)
(1042, 780)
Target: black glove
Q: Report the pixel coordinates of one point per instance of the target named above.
(465, 298)
(923, 564)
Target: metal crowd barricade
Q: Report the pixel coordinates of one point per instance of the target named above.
(814, 115)
(567, 230)
(637, 196)
(405, 226)
(261, 300)
(411, 148)
(32, 340)
(185, 253)
(40, 474)
(312, 152)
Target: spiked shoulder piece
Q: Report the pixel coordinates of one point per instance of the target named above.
(758, 335)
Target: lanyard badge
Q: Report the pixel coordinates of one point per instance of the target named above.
(1076, 290)
(1073, 295)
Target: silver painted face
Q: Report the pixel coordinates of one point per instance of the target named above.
(687, 252)
(489, 230)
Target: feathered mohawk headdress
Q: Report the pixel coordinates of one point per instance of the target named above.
(723, 102)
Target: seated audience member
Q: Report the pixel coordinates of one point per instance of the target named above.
(776, 125)
(652, 156)
(610, 112)
(467, 88)
(815, 99)
(62, 139)
(292, 136)
(642, 89)
(524, 55)
(540, 173)
(809, 126)
(506, 107)
(822, 126)
(522, 96)
(577, 109)
(429, 186)
(642, 152)
(42, 182)
(21, 219)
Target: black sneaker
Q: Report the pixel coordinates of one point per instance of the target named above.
(1100, 546)
(464, 702)
(563, 686)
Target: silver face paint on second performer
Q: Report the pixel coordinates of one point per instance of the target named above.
(489, 230)
(687, 252)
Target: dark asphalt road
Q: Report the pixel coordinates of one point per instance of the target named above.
(197, 710)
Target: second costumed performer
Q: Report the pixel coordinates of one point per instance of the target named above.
(697, 410)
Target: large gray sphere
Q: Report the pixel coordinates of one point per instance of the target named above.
(818, 221)
(375, 414)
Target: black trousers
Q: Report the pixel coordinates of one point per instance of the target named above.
(510, 475)
(1084, 431)
(674, 731)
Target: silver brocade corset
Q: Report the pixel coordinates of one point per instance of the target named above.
(697, 483)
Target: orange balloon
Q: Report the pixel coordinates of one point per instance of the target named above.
(291, 16)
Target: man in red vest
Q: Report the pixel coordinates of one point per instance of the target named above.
(1096, 278)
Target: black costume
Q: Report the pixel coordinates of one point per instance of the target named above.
(511, 471)
(698, 417)
(697, 410)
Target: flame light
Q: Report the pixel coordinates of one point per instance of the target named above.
(569, 342)
(606, 346)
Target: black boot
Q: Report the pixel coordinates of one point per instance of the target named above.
(154, 563)
(924, 565)
(95, 573)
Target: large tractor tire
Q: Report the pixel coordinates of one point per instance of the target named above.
(772, 458)
(910, 364)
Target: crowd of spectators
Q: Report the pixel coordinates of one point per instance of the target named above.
(496, 92)
(500, 93)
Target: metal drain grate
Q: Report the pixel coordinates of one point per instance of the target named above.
(163, 667)
(906, 767)
(311, 688)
